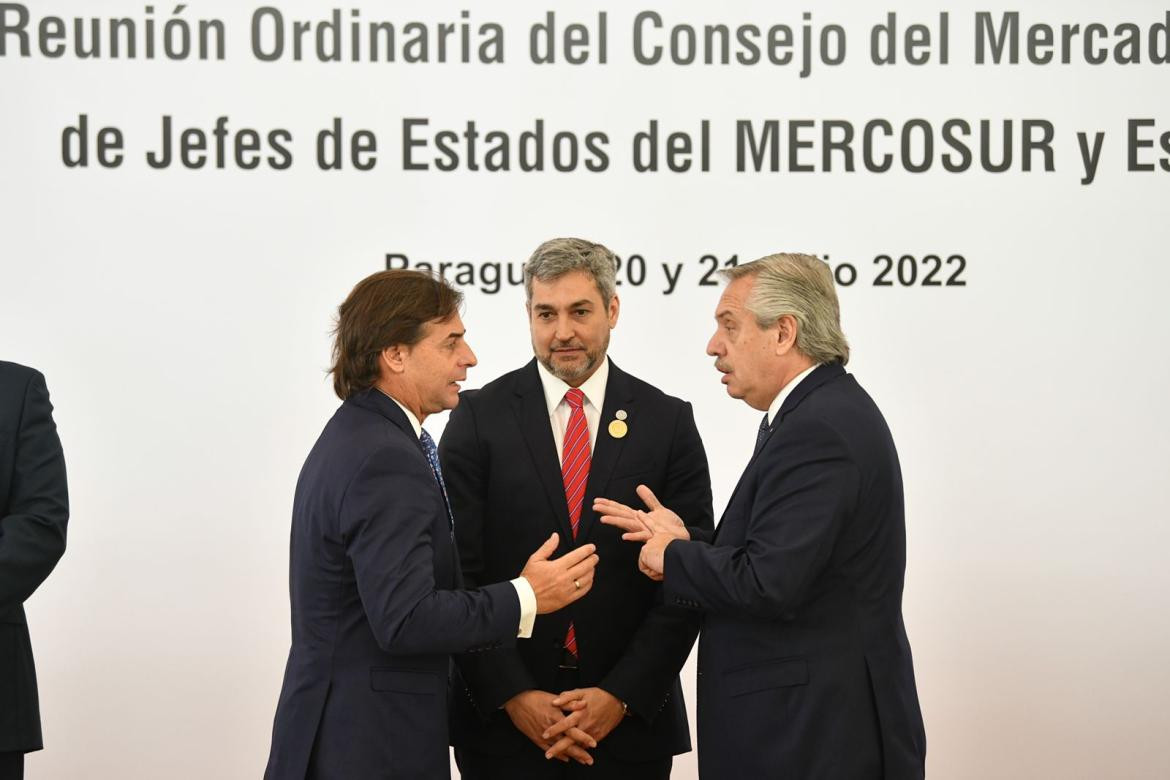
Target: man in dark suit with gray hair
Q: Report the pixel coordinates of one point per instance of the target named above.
(804, 665)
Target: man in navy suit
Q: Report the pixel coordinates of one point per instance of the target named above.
(375, 586)
(526, 454)
(804, 665)
(34, 509)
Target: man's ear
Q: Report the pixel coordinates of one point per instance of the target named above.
(612, 313)
(786, 328)
(393, 359)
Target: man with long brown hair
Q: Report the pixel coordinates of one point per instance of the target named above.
(376, 591)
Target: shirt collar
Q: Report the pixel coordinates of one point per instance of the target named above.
(786, 391)
(414, 423)
(593, 387)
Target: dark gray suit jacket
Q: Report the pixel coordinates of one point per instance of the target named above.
(34, 509)
(376, 607)
(504, 477)
(804, 665)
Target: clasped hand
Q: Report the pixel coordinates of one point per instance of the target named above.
(563, 726)
(655, 528)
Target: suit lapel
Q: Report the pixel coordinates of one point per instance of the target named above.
(532, 415)
(819, 376)
(374, 400)
(618, 395)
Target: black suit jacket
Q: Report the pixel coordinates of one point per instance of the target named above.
(504, 478)
(376, 607)
(804, 666)
(34, 508)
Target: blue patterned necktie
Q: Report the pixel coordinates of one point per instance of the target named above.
(432, 453)
(761, 435)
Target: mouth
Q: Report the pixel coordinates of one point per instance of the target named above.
(568, 352)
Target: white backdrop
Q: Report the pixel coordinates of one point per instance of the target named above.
(182, 319)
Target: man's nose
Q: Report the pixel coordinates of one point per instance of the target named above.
(564, 329)
(714, 347)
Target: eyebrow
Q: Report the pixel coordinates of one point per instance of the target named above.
(573, 305)
(456, 334)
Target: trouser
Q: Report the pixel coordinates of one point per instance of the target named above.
(11, 766)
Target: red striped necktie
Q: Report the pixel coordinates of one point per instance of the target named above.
(575, 457)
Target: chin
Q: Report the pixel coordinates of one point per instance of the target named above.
(569, 361)
(569, 369)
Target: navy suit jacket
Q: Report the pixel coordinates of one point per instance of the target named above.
(804, 665)
(504, 477)
(34, 509)
(376, 607)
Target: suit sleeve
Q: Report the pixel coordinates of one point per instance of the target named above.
(32, 532)
(387, 517)
(497, 676)
(806, 489)
(646, 672)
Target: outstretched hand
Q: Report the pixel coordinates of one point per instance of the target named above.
(639, 526)
(562, 581)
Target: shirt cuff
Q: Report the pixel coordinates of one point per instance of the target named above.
(527, 598)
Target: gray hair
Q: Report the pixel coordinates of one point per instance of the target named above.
(559, 256)
(802, 286)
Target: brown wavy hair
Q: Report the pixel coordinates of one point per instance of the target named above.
(385, 309)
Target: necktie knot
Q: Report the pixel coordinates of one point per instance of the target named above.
(575, 397)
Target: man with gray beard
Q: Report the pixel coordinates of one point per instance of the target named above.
(597, 686)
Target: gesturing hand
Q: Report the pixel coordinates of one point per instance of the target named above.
(595, 711)
(563, 581)
(640, 526)
(532, 712)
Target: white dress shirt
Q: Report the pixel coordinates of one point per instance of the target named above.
(523, 587)
(559, 409)
(786, 391)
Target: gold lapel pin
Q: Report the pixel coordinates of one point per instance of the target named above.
(618, 428)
